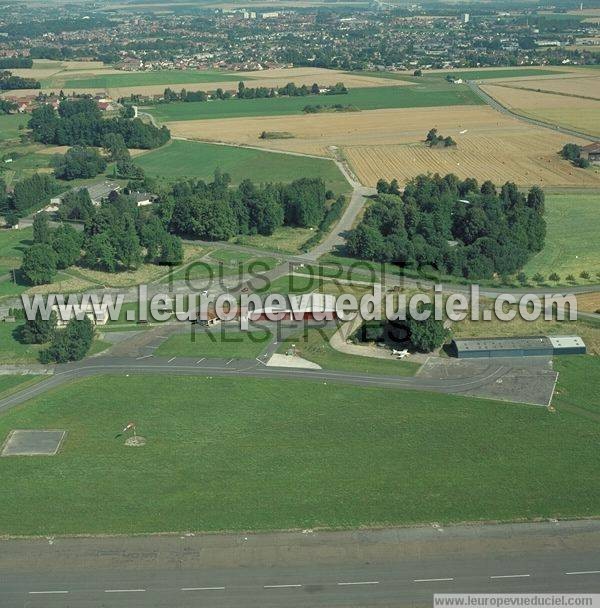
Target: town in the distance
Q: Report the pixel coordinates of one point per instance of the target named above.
(299, 303)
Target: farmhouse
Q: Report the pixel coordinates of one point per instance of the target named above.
(528, 346)
(591, 153)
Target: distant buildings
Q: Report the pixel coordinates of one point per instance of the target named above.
(591, 153)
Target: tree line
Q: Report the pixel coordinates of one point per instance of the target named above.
(79, 122)
(244, 92)
(7, 63)
(453, 227)
(10, 82)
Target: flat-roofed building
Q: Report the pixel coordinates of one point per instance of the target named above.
(527, 346)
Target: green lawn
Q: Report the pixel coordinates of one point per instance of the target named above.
(434, 92)
(572, 243)
(313, 344)
(253, 454)
(194, 159)
(141, 79)
(215, 344)
(11, 384)
(9, 125)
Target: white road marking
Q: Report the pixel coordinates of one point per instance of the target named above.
(152, 347)
(124, 590)
(144, 357)
(361, 583)
(228, 362)
(163, 337)
(200, 360)
(46, 592)
(431, 580)
(202, 588)
(279, 586)
(584, 572)
(171, 359)
(511, 576)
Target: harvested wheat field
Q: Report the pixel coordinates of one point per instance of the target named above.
(527, 158)
(258, 80)
(571, 112)
(317, 133)
(581, 86)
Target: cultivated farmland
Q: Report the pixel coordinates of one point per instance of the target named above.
(367, 98)
(574, 112)
(185, 159)
(316, 133)
(527, 158)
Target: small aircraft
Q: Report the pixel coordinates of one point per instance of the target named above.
(401, 354)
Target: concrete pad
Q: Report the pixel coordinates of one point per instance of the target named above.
(32, 443)
(289, 361)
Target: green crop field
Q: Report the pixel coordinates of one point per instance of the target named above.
(185, 159)
(572, 243)
(430, 94)
(140, 79)
(9, 125)
(255, 454)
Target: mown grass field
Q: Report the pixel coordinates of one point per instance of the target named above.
(216, 344)
(9, 125)
(185, 159)
(572, 243)
(140, 79)
(254, 454)
(430, 94)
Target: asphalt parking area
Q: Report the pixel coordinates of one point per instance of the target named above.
(33, 443)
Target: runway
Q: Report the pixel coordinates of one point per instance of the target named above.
(393, 567)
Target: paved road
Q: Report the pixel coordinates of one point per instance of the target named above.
(480, 374)
(394, 567)
(532, 121)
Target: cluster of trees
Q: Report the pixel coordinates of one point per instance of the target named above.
(79, 162)
(116, 236)
(319, 109)
(6, 106)
(453, 227)
(572, 152)
(27, 195)
(79, 122)
(433, 139)
(70, 343)
(244, 92)
(7, 63)
(214, 211)
(9, 82)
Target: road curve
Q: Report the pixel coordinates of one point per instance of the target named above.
(489, 371)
